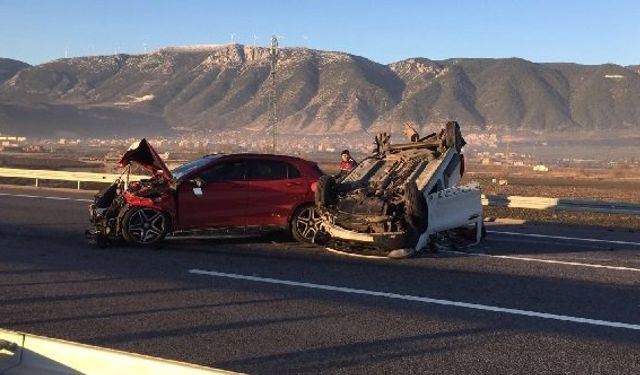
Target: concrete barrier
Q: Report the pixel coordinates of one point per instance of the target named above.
(22, 353)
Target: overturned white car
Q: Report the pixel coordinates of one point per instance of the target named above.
(398, 201)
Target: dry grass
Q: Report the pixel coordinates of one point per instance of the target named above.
(617, 184)
(589, 184)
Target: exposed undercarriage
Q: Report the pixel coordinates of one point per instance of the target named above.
(383, 206)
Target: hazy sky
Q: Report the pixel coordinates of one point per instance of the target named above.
(588, 31)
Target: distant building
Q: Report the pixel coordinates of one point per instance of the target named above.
(540, 168)
(10, 143)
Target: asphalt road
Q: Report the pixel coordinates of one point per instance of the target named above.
(554, 300)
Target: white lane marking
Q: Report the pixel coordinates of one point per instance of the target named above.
(541, 260)
(564, 237)
(46, 197)
(405, 297)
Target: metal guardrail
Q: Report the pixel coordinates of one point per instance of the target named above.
(79, 177)
(536, 203)
(561, 204)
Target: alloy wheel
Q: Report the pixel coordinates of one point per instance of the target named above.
(146, 226)
(307, 223)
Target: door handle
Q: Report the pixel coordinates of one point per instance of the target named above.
(294, 183)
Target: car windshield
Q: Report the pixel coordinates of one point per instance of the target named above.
(184, 169)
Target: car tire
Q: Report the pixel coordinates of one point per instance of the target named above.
(145, 226)
(305, 223)
(415, 211)
(326, 194)
(453, 137)
(450, 134)
(415, 208)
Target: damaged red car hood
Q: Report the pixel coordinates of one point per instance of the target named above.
(142, 153)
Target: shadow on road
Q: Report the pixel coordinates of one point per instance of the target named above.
(65, 276)
(356, 354)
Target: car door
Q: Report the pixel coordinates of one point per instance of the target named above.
(276, 188)
(220, 201)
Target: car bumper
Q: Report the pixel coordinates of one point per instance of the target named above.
(383, 241)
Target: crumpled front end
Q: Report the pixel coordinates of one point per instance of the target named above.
(103, 214)
(452, 220)
(107, 212)
(143, 154)
(373, 222)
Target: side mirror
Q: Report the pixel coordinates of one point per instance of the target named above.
(198, 182)
(197, 192)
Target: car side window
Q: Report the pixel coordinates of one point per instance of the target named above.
(228, 171)
(293, 172)
(271, 170)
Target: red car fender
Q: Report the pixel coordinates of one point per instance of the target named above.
(164, 204)
(310, 197)
(134, 200)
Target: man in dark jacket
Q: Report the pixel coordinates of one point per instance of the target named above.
(346, 165)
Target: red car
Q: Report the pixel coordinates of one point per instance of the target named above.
(255, 191)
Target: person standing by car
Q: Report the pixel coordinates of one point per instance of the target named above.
(346, 165)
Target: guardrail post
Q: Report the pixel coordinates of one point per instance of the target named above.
(78, 184)
(36, 181)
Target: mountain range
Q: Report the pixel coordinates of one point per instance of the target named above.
(225, 87)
